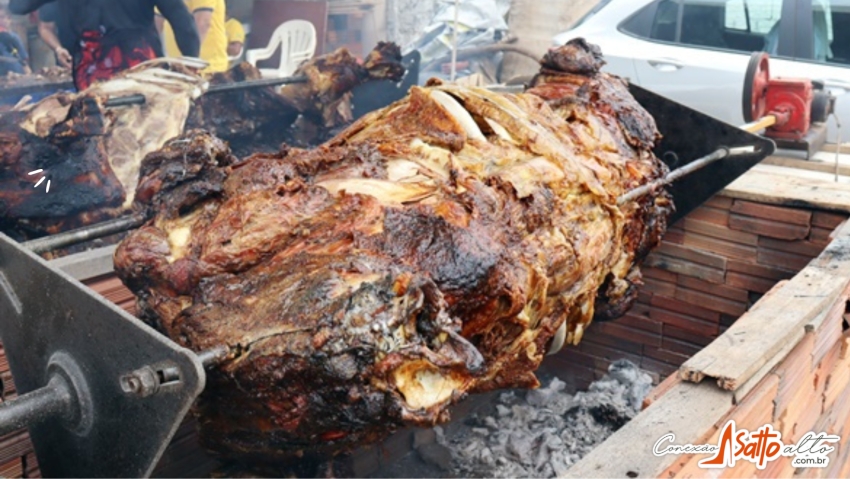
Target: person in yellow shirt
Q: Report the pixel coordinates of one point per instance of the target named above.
(210, 19)
(235, 37)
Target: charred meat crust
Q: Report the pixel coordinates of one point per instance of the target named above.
(92, 154)
(432, 249)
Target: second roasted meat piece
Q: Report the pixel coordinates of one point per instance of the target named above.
(435, 248)
(261, 119)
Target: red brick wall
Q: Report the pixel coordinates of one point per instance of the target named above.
(711, 267)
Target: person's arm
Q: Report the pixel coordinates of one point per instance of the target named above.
(203, 20)
(183, 24)
(47, 32)
(23, 7)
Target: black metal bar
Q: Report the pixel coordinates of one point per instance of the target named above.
(674, 175)
(139, 99)
(80, 235)
(136, 99)
(36, 406)
(266, 82)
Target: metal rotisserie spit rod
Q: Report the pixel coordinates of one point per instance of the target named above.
(68, 238)
(86, 233)
(54, 400)
(696, 165)
(138, 99)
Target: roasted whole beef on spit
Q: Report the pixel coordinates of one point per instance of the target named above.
(435, 248)
(91, 153)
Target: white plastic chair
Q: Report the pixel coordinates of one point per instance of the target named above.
(297, 42)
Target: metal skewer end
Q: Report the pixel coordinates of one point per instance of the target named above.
(718, 154)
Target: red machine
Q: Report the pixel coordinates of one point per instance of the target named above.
(793, 110)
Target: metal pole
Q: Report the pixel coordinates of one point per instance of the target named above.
(244, 85)
(454, 42)
(691, 167)
(136, 99)
(838, 147)
(34, 407)
(214, 356)
(80, 235)
(139, 99)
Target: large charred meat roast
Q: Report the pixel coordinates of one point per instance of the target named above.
(432, 249)
(91, 153)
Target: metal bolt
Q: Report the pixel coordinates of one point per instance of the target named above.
(141, 382)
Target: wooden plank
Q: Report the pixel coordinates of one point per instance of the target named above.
(766, 272)
(785, 186)
(619, 330)
(695, 256)
(710, 301)
(820, 166)
(794, 216)
(663, 388)
(821, 236)
(665, 356)
(727, 249)
(830, 221)
(773, 323)
(674, 236)
(684, 267)
(769, 228)
(659, 367)
(800, 247)
(749, 283)
(680, 347)
(720, 202)
(677, 306)
(675, 413)
(720, 290)
(611, 349)
(659, 287)
(658, 274)
(676, 332)
(721, 232)
(710, 215)
(782, 259)
(683, 321)
(843, 148)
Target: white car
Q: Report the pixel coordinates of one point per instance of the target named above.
(696, 51)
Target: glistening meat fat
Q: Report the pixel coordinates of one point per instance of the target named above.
(433, 249)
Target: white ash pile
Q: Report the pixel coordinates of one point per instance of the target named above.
(541, 433)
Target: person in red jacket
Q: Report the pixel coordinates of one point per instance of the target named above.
(105, 37)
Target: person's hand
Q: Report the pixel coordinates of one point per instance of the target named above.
(63, 57)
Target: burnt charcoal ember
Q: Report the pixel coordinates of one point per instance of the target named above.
(541, 433)
(432, 249)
